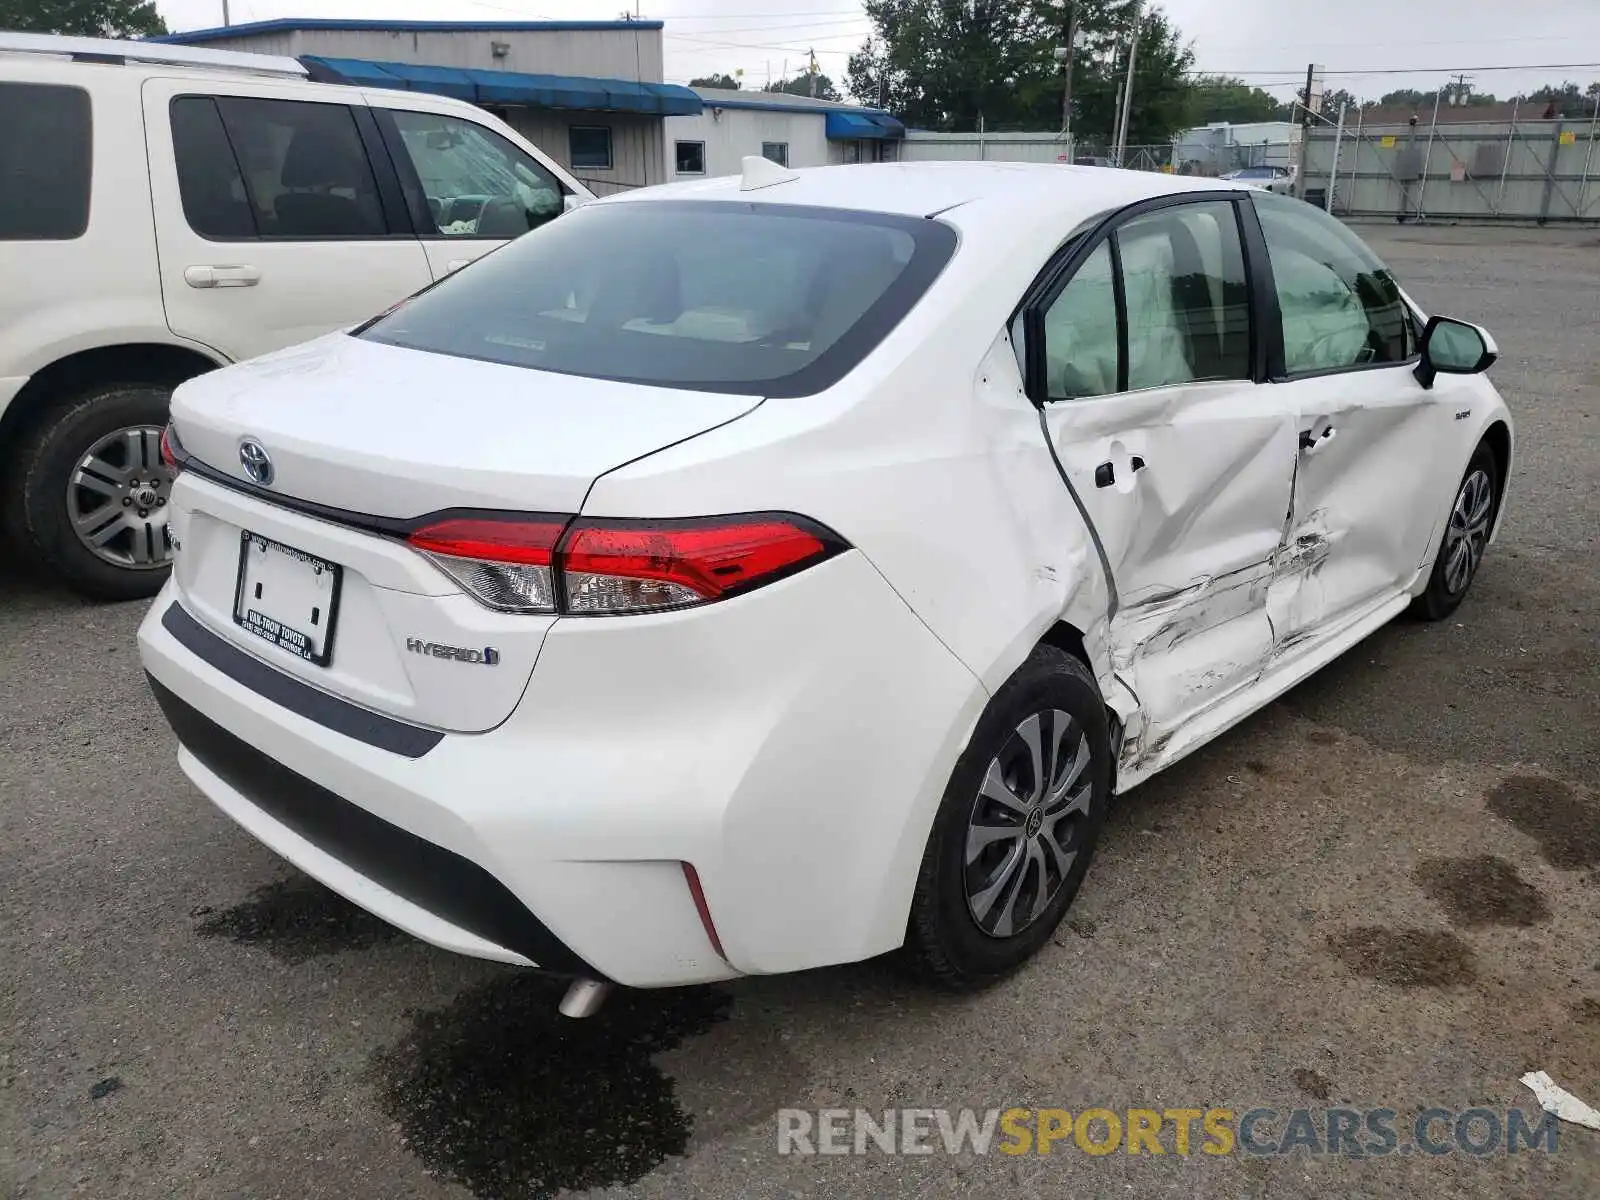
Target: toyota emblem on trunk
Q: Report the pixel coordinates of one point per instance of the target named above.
(253, 458)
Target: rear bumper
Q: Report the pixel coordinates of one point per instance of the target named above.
(792, 745)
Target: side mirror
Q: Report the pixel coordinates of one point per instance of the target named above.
(1451, 347)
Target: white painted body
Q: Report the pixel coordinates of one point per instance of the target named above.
(123, 282)
(794, 743)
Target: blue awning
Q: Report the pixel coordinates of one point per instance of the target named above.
(513, 88)
(843, 126)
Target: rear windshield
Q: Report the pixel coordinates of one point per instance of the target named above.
(760, 299)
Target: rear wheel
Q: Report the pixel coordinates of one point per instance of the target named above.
(1466, 537)
(92, 495)
(1017, 827)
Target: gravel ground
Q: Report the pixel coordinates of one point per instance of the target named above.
(1382, 891)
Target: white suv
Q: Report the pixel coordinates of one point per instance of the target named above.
(166, 210)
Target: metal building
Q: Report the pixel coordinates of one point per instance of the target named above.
(796, 131)
(588, 93)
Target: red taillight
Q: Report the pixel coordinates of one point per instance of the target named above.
(169, 455)
(602, 567)
(502, 562)
(628, 566)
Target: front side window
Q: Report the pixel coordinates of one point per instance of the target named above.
(791, 299)
(304, 168)
(476, 183)
(589, 147)
(45, 154)
(691, 158)
(1184, 307)
(778, 152)
(1341, 307)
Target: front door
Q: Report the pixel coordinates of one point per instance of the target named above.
(1367, 493)
(1182, 463)
(272, 225)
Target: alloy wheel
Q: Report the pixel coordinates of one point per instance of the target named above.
(117, 499)
(1023, 831)
(1468, 532)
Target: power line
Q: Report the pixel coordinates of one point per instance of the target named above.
(1589, 66)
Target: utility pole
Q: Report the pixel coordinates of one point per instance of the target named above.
(1069, 54)
(225, 19)
(813, 73)
(1127, 91)
(1308, 121)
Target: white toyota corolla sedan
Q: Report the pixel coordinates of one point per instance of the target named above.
(773, 571)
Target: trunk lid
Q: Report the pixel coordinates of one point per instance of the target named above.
(392, 432)
(381, 431)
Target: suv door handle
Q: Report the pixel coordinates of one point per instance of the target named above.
(1105, 475)
(215, 277)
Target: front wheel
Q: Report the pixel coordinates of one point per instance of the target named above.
(1466, 537)
(1017, 826)
(93, 495)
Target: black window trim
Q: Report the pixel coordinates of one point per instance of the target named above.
(395, 219)
(88, 192)
(688, 142)
(1278, 362)
(410, 183)
(611, 149)
(1265, 324)
(935, 244)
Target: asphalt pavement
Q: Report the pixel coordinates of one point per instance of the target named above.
(1382, 892)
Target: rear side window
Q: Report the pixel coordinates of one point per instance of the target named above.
(761, 299)
(45, 154)
(209, 180)
(273, 169)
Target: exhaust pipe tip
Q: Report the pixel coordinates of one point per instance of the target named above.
(584, 998)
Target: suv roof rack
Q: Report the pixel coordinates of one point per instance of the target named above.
(108, 50)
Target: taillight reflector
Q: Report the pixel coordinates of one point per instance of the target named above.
(169, 451)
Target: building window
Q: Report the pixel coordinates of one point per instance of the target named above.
(691, 158)
(590, 147)
(778, 152)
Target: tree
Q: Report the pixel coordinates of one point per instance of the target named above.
(84, 18)
(716, 81)
(1232, 100)
(943, 64)
(801, 85)
(1406, 96)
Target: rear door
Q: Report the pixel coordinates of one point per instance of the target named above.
(469, 186)
(1180, 460)
(278, 217)
(1367, 494)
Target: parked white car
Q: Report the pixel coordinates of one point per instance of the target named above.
(167, 210)
(654, 615)
(1269, 179)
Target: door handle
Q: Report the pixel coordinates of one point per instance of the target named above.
(1317, 435)
(455, 264)
(1105, 475)
(219, 277)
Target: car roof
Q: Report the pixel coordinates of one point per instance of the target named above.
(965, 193)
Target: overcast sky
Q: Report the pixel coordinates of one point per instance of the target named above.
(1268, 41)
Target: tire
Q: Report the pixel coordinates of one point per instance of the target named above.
(50, 503)
(1472, 516)
(971, 924)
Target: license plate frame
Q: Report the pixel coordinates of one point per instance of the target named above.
(272, 629)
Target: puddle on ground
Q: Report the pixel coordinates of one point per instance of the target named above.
(502, 1094)
(1405, 957)
(297, 919)
(1482, 890)
(1565, 824)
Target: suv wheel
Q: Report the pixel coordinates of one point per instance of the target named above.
(1017, 827)
(93, 494)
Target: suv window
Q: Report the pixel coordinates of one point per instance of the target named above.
(791, 300)
(476, 183)
(299, 167)
(1185, 307)
(1341, 308)
(45, 155)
